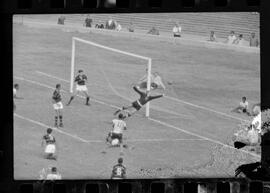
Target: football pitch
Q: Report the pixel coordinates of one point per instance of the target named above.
(188, 133)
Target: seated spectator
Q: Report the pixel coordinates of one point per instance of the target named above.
(253, 41)
(153, 31)
(177, 30)
(99, 26)
(131, 27)
(213, 37)
(231, 38)
(118, 27)
(88, 21)
(239, 41)
(61, 20)
(243, 106)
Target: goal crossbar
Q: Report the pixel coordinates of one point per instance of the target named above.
(149, 64)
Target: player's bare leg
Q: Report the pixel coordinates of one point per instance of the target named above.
(87, 97)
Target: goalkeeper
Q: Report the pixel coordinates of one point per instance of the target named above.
(137, 105)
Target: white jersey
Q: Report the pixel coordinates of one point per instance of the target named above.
(53, 177)
(244, 104)
(257, 123)
(231, 39)
(118, 126)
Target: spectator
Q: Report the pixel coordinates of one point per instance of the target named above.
(213, 37)
(153, 31)
(231, 38)
(243, 106)
(53, 174)
(118, 27)
(61, 20)
(111, 24)
(119, 171)
(253, 41)
(177, 30)
(239, 41)
(88, 21)
(131, 27)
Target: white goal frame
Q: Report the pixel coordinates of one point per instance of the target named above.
(148, 59)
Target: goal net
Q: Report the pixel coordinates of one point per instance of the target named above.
(111, 72)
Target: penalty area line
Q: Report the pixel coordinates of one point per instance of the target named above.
(156, 121)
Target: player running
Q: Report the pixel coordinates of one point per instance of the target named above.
(50, 145)
(115, 137)
(15, 89)
(58, 106)
(137, 105)
(119, 170)
(80, 81)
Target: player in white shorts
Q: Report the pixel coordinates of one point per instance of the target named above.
(50, 145)
(116, 133)
(58, 106)
(80, 81)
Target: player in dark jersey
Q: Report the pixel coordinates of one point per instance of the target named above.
(137, 105)
(50, 145)
(58, 106)
(80, 81)
(119, 171)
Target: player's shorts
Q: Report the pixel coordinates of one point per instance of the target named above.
(136, 105)
(81, 88)
(58, 106)
(118, 136)
(50, 148)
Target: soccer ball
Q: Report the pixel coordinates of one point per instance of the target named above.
(115, 142)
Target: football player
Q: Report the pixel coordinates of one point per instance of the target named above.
(119, 170)
(137, 105)
(50, 145)
(118, 126)
(80, 81)
(58, 106)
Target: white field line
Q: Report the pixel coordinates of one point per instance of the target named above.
(205, 108)
(118, 94)
(47, 126)
(98, 141)
(157, 121)
(202, 137)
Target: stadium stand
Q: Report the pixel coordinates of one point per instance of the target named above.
(195, 24)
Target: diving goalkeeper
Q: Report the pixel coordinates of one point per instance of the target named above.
(137, 105)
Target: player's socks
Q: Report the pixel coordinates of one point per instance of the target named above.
(87, 100)
(61, 120)
(71, 98)
(56, 121)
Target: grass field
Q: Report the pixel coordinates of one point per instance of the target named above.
(188, 132)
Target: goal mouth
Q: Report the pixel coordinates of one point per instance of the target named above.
(110, 66)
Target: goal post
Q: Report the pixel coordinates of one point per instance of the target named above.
(73, 53)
